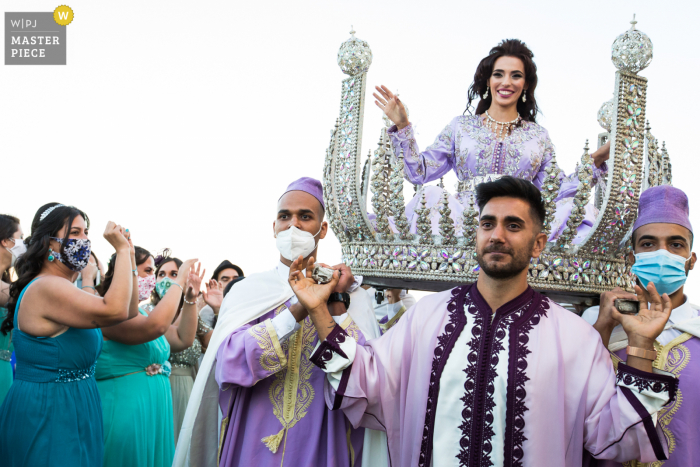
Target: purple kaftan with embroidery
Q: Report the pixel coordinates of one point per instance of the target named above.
(679, 419)
(254, 368)
(532, 385)
(470, 148)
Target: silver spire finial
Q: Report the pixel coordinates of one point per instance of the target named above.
(352, 31)
(634, 21)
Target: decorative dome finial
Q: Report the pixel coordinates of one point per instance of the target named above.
(354, 56)
(605, 114)
(632, 51)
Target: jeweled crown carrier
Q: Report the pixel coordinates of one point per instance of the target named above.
(575, 273)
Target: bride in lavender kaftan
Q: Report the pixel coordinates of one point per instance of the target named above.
(501, 139)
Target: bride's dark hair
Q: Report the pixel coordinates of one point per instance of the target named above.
(30, 263)
(528, 110)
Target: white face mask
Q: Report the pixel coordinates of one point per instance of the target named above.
(18, 250)
(294, 242)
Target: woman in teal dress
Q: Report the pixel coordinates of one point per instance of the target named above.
(184, 363)
(52, 414)
(12, 241)
(133, 370)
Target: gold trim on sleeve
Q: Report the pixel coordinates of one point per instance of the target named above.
(672, 357)
(273, 357)
(395, 319)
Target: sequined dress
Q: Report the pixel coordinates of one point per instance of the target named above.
(6, 348)
(52, 414)
(470, 148)
(138, 416)
(184, 371)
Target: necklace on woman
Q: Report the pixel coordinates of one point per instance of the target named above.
(504, 128)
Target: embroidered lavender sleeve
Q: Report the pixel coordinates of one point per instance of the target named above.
(335, 354)
(620, 408)
(429, 165)
(654, 390)
(285, 325)
(250, 354)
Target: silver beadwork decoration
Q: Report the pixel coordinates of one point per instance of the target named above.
(471, 223)
(605, 114)
(667, 178)
(321, 274)
(632, 51)
(379, 185)
(354, 56)
(579, 202)
(447, 226)
(396, 202)
(550, 190)
(424, 227)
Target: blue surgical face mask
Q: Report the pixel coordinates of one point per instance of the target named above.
(663, 268)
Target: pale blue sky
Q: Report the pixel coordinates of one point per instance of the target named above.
(184, 121)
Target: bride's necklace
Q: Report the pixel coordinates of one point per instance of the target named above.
(503, 128)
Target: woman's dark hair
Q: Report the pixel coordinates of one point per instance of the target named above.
(511, 187)
(528, 110)
(142, 255)
(29, 264)
(154, 295)
(35, 221)
(8, 226)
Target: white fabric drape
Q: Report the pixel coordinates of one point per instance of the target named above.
(247, 301)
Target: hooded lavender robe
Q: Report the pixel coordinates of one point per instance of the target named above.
(454, 384)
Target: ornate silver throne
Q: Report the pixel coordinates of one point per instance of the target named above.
(571, 273)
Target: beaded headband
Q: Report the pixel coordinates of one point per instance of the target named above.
(49, 211)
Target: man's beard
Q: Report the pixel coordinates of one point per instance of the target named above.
(520, 261)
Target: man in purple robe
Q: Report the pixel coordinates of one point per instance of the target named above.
(494, 373)
(270, 393)
(662, 239)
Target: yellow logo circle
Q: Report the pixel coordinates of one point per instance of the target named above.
(63, 15)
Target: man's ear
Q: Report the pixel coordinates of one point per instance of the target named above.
(324, 230)
(630, 258)
(693, 259)
(274, 224)
(539, 246)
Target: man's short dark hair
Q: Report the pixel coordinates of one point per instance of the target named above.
(226, 264)
(511, 187)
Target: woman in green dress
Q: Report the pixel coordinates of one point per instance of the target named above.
(184, 363)
(52, 414)
(12, 240)
(133, 369)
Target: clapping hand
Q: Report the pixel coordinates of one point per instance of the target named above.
(312, 295)
(391, 106)
(213, 295)
(643, 328)
(194, 282)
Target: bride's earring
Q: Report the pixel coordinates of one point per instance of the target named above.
(524, 98)
(486, 94)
